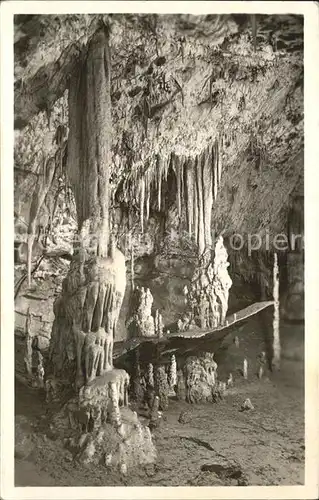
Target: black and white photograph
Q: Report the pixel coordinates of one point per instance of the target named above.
(157, 248)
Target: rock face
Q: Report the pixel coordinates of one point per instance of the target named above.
(200, 378)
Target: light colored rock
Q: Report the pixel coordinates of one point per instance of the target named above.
(200, 377)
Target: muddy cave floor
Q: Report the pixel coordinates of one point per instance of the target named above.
(217, 445)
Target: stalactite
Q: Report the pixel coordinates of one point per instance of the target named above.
(132, 263)
(176, 163)
(160, 164)
(182, 164)
(147, 195)
(215, 169)
(195, 201)
(89, 143)
(142, 202)
(219, 164)
(207, 196)
(200, 212)
(38, 196)
(167, 162)
(276, 334)
(189, 188)
(254, 30)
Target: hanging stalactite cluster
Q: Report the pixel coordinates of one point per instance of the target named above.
(197, 180)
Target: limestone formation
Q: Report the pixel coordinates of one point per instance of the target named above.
(245, 368)
(172, 375)
(158, 324)
(180, 386)
(138, 390)
(201, 378)
(230, 380)
(141, 323)
(275, 362)
(86, 314)
(96, 417)
(44, 182)
(161, 387)
(95, 431)
(262, 360)
(154, 416)
(208, 295)
(150, 375)
(40, 370)
(28, 345)
(247, 405)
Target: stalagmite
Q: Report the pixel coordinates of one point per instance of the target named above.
(40, 371)
(245, 368)
(201, 376)
(137, 388)
(180, 386)
(172, 378)
(161, 387)
(230, 381)
(150, 374)
(28, 344)
(154, 416)
(276, 333)
(208, 296)
(115, 415)
(141, 323)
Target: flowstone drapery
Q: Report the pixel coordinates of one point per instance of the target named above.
(87, 311)
(207, 297)
(86, 314)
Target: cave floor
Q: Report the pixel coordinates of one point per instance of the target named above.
(217, 445)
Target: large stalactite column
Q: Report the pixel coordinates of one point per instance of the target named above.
(86, 313)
